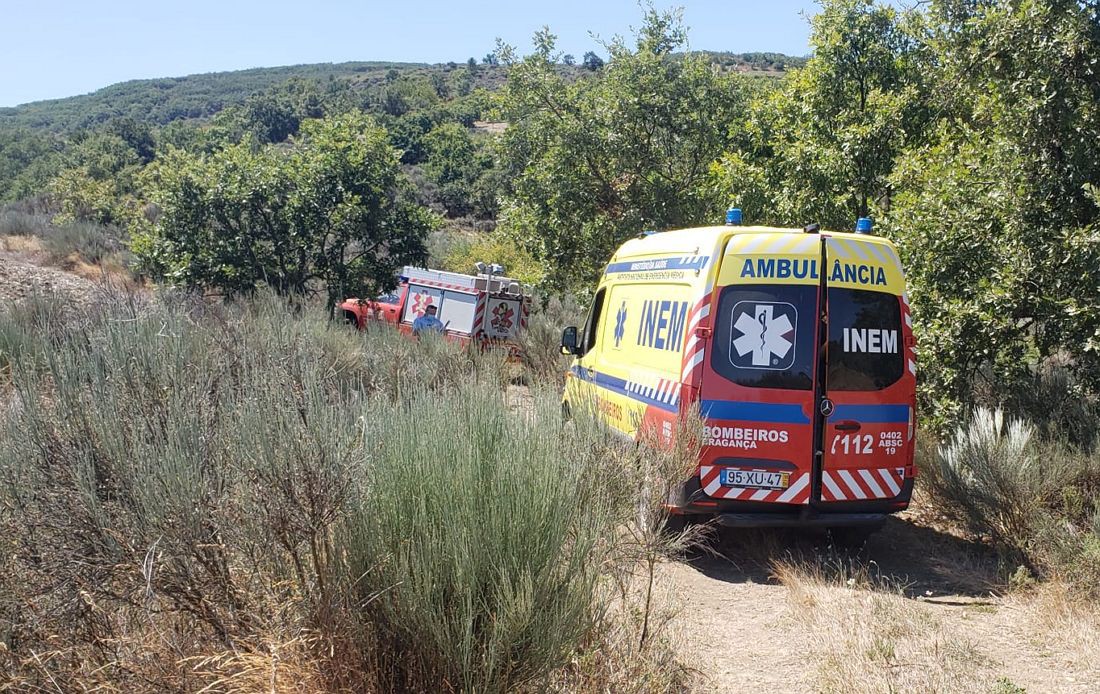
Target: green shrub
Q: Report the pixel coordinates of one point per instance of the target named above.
(87, 241)
(1037, 499)
(187, 488)
(542, 340)
(993, 471)
(480, 541)
(14, 223)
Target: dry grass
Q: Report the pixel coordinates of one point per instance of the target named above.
(198, 497)
(620, 661)
(21, 244)
(867, 637)
(1061, 622)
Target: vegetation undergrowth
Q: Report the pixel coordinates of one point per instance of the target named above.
(243, 496)
(1034, 497)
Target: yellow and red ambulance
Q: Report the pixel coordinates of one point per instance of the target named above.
(797, 345)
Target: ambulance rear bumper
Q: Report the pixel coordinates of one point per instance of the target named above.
(791, 520)
(692, 501)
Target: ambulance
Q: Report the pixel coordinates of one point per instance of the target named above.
(797, 347)
(486, 308)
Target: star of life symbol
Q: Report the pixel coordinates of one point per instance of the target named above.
(502, 317)
(420, 303)
(620, 324)
(767, 335)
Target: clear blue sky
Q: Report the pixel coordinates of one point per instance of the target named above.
(56, 48)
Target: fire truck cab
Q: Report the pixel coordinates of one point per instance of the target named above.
(487, 308)
(797, 346)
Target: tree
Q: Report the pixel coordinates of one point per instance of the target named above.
(98, 182)
(27, 162)
(587, 164)
(330, 213)
(997, 216)
(822, 148)
(407, 93)
(462, 169)
(592, 61)
(568, 59)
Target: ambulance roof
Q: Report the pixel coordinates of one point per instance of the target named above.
(704, 240)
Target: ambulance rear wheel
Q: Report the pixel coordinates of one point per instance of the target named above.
(852, 538)
(677, 523)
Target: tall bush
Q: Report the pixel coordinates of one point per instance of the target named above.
(195, 495)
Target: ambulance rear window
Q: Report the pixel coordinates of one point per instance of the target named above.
(764, 335)
(865, 340)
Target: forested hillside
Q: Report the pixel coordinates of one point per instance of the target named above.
(160, 101)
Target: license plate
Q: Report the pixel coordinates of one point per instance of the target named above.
(754, 479)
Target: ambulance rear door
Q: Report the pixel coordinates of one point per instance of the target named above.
(758, 384)
(869, 385)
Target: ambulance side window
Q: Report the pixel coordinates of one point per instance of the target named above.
(591, 327)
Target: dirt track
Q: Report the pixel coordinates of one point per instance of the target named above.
(20, 278)
(932, 624)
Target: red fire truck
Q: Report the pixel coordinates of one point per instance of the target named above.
(487, 308)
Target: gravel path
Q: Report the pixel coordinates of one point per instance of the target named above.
(21, 278)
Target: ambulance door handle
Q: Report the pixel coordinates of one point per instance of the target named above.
(847, 425)
(591, 372)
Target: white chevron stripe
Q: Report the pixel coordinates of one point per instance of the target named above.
(912, 367)
(895, 260)
(692, 341)
(827, 478)
(805, 245)
(712, 488)
(692, 363)
(795, 488)
(751, 245)
(870, 480)
(860, 249)
(879, 253)
(908, 320)
(853, 486)
(760, 495)
(778, 244)
(693, 323)
(891, 484)
(838, 248)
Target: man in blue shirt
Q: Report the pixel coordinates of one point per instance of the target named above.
(427, 323)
